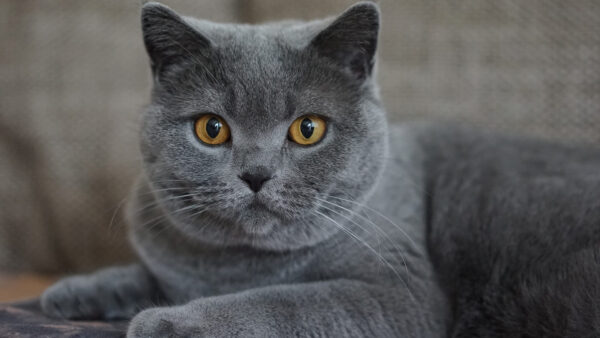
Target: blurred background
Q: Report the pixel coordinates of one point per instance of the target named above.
(74, 77)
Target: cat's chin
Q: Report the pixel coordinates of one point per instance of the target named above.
(257, 220)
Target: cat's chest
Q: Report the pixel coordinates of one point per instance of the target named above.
(220, 272)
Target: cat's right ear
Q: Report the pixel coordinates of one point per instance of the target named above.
(169, 39)
(350, 41)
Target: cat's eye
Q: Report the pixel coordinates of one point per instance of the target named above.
(212, 129)
(307, 130)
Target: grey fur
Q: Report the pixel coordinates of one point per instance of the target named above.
(514, 233)
(306, 256)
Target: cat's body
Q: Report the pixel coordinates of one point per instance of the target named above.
(343, 237)
(514, 233)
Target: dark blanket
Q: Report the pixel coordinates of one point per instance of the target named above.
(26, 319)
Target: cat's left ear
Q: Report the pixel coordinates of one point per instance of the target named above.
(351, 39)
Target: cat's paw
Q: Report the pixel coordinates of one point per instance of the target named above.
(86, 297)
(200, 318)
(161, 322)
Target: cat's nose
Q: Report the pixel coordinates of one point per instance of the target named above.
(255, 180)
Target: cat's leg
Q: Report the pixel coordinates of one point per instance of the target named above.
(112, 293)
(338, 308)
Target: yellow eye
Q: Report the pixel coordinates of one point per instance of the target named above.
(212, 129)
(307, 130)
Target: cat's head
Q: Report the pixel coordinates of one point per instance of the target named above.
(252, 128)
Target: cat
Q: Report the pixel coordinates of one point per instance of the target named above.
(277, 201)
(256, 236)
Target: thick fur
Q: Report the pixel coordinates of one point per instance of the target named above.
(347, 237)
(514, 233)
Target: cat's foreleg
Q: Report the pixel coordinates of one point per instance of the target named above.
(338, 308)
(112, 293)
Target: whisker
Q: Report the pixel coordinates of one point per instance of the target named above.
(113, 235)
(158, 201)
(152, 191)
(380, 231)
(363, 242)
(154, 182)
(382, 216)
(203, 208)
(124, 200)
(154, 222)
(196, 214)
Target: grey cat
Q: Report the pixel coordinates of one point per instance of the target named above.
(276, 201)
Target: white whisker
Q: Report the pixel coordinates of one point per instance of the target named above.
(416, 247)
(377, 228)
(363, 242)
(158, 201)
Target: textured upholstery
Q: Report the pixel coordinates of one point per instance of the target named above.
(74, 77)
(26, 319)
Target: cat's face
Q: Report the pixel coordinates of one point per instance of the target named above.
(258, 186)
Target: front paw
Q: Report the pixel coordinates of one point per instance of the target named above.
(206, 317)
(83, 297)
(185, 321)
(160, 322)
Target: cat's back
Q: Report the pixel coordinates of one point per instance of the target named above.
(513, 230)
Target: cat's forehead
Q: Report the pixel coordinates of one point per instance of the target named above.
(261, 65)
(259, 85)
(293, 33)
(253, 52)
(265, 73)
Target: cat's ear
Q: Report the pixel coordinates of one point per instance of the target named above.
(351, 39)
(169, 39)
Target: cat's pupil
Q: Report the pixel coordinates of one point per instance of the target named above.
(213, 126)
(307, 127)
